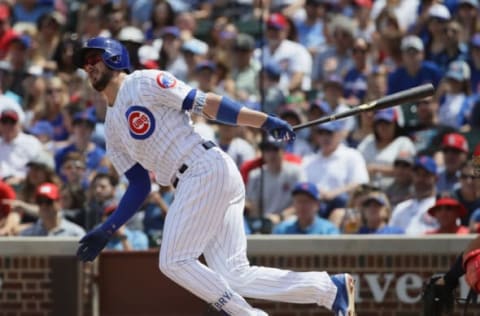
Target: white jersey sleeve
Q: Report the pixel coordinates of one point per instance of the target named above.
(157, 87)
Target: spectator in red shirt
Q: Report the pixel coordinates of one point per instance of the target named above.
(447, 211)
(9, 221)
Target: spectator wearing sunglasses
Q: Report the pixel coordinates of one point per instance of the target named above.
(447, 211)
(468, 191)
(51, 221)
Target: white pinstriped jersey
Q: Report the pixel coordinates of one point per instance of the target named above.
(146, 124)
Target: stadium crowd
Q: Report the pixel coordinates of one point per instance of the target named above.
(402, 170)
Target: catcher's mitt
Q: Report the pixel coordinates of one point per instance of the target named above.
(438, 299)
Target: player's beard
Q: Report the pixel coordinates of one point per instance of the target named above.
(103, 81)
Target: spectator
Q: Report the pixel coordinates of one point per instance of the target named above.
(56, 98)
(161, 16)
(380, 148)
(51, 221)
(455, 91)
(101, 197)
(333, 95)
(455, 50)
(401, 188)
(132, 38)
(170, 57)
(231, 142)
(245, 68)
(125, 238)
(83, 125)
(295, 60)
(467, 16)
(448, 212)
(412, 215)
(415, 70)
(311, 29)
(438, 18)
(194, 51)
(73, 170)
(73, 199)
(468, 192)
(6, 31)
(336, 169)
(376, 211)
(403, 10)
(268, 190)
(43, 130)
(300, 146)
(365, 25)
(336, 58)
(274, 95)
(49, 35)
(9, 220)
(455, 154)
(425, 131)
(474, 63)
(16, 148)
(30, 11)
(355, 85)
(19, 57)
(306, 202)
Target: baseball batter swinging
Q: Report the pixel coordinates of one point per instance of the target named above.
(148, 127)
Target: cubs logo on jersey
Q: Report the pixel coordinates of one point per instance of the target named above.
(141, 122)
(166, 80)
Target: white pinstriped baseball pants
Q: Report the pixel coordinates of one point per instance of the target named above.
(206, 218)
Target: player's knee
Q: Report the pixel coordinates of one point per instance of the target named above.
(171, 267)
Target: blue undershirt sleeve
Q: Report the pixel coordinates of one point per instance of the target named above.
(137, 191)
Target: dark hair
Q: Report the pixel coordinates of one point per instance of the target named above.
(112, 179)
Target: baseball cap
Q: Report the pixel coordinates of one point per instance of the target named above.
(448, 201)
(23, 40)
(44, 159)
(277, 21)
(9, 113)
(412, 42)
(271, 143)
(307, 188)
(458, 70)
(427, 163)
(378, 197)
(131, 34)
(195, 46)
(475, 40)
(42, 128)
(473, 3)
(86, 115)
(388, 115)
(364, 3)
(206, 64)
(290, 111)
(273, 70)
(456, 141)
(334, 79)
(48, 190)
(244, 42)
(322, 105)
(170, 30)
(333, 126)
(439, 11)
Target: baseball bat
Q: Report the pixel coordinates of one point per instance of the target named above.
(401, 97)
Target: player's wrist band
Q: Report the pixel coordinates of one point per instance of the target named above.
(228, 111)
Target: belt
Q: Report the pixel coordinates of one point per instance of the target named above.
(207, 145)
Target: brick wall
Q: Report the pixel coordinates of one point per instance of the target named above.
(43, 277)
(25, 286)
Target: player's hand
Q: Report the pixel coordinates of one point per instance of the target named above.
(278, 129)
(92, 244)
(471, 263)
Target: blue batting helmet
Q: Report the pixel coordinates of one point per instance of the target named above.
(114, 54)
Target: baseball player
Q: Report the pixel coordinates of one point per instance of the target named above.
(147, 127)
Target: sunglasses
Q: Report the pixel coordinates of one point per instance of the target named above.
(8, 120)
(92, 60)
(44, 201)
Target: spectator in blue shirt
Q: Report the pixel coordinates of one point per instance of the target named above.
(306, 203)
(415, 70)
(376, 213)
